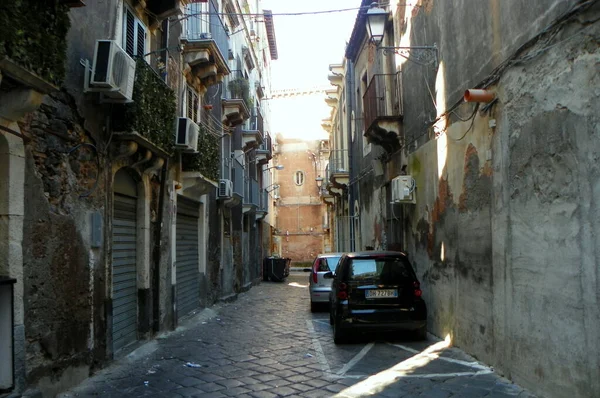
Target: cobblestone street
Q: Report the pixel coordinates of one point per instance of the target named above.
(268, 344)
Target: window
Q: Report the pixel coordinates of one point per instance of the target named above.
(192, 104)
(134, 35)
(231, 14)
(299, 178)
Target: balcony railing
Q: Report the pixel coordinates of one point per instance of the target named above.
(203, 22)
(237, 176)
(153, 110)
(256, 120)
(383, 98)
(33, 37)
(264, 201)
(338, 162)
(251, 196)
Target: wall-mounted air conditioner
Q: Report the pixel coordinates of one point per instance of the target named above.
(186, 135)
(113, 72)
(403, 189)
(225, 189)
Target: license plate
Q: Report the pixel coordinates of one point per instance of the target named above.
(381, 293)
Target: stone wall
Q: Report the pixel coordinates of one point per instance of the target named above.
(504, 231)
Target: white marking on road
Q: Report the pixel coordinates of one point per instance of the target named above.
(318, 349)
(323, 321)
(475, 365)
(419, 376)
(356, 358)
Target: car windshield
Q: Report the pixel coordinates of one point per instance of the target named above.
(383, 270)
(326, 264)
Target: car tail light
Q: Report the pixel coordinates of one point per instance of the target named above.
(342, 293)
(315, 279)
(417, 287)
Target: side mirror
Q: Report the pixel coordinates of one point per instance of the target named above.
(328, 275)
(306, 270)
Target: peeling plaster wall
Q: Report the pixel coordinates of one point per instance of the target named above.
(504, 234)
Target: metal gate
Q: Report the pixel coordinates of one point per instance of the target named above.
(188, 289)
(124, 273)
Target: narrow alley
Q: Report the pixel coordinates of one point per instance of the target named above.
(268, 344)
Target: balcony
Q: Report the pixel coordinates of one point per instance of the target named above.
(338, 168)
(150, 119)
(236, 104)
(205, 43)
(382, 104)
(32, 53)
(253, 137)
(251, 195)
(264, 152)
(207, 161)
(263, 206)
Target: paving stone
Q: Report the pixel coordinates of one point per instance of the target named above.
(210, 387)
(230, 383)
(263, 394)
(190, 382)
(283, 391)
(236, 392)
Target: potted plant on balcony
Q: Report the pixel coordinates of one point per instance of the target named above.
(240, 88)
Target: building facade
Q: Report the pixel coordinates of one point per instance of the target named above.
(301, 223)
(471, 148)
(134, 148)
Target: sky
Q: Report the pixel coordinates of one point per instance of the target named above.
(306, 45)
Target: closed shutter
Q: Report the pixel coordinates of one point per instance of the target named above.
(188, 293)
(124, 274)
(134, 36)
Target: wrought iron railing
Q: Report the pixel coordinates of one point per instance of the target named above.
(338, 162)
(203, 22)
(264, 201)
(256, 120)
(237, 176)
(383, 98)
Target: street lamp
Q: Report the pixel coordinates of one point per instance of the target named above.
(278, 167)
(319, 181)
(376, 21)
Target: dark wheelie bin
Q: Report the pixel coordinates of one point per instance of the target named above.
(276, 269)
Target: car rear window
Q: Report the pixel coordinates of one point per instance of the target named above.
(326, 264)
(384, 270)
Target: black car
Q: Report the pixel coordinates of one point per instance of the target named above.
(375, 291)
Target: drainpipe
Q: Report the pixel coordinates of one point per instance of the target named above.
(157, 241)
(351, 96)
(476, 95)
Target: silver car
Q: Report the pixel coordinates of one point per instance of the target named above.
(320, 287)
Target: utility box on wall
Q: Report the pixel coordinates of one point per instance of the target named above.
(403, 189)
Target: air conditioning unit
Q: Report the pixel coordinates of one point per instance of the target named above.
(113, 71)
(225, 189)
(186, 135)
(403, 190)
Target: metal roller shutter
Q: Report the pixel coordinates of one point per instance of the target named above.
(188, 294)
(124, 274)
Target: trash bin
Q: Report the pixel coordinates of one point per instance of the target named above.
(276, 269)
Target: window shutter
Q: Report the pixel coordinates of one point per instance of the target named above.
(141, 40)
(129, 33)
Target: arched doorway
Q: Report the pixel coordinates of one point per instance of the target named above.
(124, 260)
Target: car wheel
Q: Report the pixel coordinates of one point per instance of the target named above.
(421, 333)
(339, 336)
(313, 307)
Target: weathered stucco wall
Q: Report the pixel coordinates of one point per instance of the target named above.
(505, 233)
